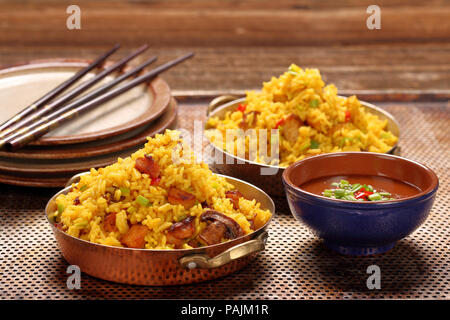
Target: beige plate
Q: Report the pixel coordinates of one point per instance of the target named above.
(45, 173)
(22, 85)
(165, 267)
(251, 171)
(96, 148)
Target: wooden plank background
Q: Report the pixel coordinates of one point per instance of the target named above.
(239, 44)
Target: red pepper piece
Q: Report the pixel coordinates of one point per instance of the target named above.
(155, 181)
(348, 116)
(241, 107)
(363, 194)
(279, 123)
(360, 195)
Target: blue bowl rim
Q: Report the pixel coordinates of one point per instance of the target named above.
(290, 187)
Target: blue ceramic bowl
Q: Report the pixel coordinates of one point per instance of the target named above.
(360, 228)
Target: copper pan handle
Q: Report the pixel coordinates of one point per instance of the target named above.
(203, 261)
(217, 102)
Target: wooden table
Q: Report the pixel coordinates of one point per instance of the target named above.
(239, 44)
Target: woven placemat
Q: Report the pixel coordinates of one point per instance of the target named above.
(295, 264)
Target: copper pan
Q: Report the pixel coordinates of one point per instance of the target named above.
(164, 267)
(250, 171)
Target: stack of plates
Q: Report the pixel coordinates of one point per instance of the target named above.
(97, 138)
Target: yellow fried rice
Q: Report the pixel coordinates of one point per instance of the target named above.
(82, 211)
(330, 123)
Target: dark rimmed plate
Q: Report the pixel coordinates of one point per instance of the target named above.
(22, 84)
(97, 148)
(50, 173)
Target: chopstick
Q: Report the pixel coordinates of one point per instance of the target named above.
(72, 94)
(43, 129)
(78, 102)
(57, 90)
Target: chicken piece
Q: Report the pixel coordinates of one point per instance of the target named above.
(213, 233)
(220, 226)
(178, 243)
(234, 196)
(109, 223)
(194, 243)
(183, 229)
(180, 231)
(290, 128)
(135, 236)
(234, 230)
(177, 196)
(147, 165)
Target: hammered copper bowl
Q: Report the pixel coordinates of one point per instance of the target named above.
(164, 267)
(353, 227)
(263, 176)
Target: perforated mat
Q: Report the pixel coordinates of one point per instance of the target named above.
(295, 264)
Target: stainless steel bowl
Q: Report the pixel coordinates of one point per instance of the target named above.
(251, 171)
(164, 267)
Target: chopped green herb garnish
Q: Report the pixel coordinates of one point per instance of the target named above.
(356, 187)
(83, 188)
(314, 103)
(339, 192)
(124, 191)
(143, 201)
(328, 193)
(342, 142)
(344, 190)
(374, 197)
(305, 145)
(81, 224)
(60, 208)
(314, 144)
(350, 197)
(335, 184)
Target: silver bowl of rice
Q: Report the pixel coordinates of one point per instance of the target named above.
(250, 171)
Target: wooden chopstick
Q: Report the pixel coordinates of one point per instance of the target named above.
(58, 121)
(72, 94)
(78, 102)
(4, 127)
